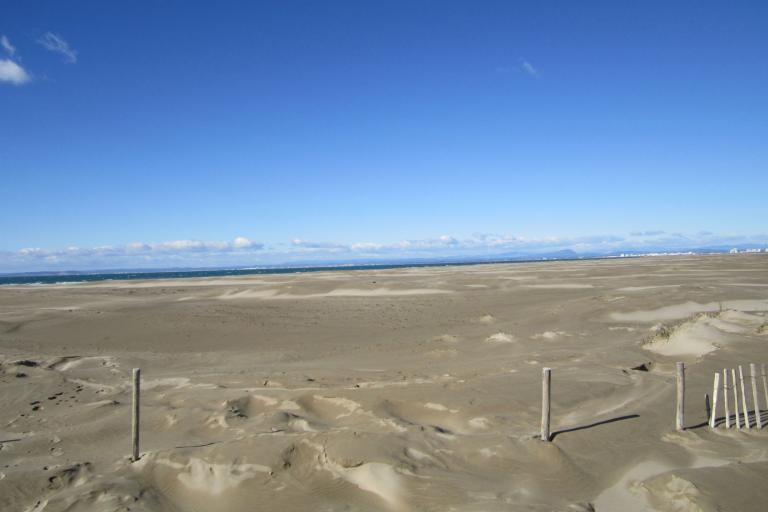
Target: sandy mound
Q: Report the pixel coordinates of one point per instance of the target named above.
(549, 335)
(701, 334)
(500, 337)
(686, 309)
(692, 338)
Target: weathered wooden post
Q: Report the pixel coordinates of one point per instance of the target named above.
(735, 398)
(679, 417)
(745, 410)
(135, 415)
(715, 391)
(753, 378)
(546, 379)
(725, 399)
(765, 385)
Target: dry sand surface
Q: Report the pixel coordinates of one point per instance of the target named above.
(398, 390)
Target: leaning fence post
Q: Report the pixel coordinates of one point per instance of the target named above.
(753, 378)
(715, 391)
(736, 398)
(546, 379)
(725, 399)
(745, 410)
(679, 418)
(135, 415)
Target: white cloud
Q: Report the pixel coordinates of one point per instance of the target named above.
(317, 246)
(141, 254)
(12, 72)
(7, 46)
(188, 246)
(31, 250)
(485, 244)
(241, 242)
(528, 68)
(57, 44)
(242, 251)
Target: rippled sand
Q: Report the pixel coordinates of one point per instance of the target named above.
(397, 390)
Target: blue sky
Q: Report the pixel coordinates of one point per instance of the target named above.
(170, 133)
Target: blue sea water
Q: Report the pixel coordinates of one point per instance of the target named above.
(81, 277)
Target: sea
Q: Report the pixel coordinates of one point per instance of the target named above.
(116, 275)
(70, 277)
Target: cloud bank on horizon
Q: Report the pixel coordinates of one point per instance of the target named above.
(242, 251)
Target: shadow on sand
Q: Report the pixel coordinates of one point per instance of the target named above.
(720, 421)
(595, 424)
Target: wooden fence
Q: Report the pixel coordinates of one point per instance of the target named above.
(737, 390)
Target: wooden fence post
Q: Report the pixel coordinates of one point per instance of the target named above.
(725, 399)
(745, 410)
(679, 417)
(765, 385)
(546, 379)
(715, 391)
(735, 398)
(753, 378)
(135, 415)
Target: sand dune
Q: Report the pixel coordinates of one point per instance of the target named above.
(417, 392)
(702, 334)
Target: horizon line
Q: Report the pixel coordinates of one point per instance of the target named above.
(27, 277)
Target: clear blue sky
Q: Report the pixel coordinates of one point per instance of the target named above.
(345, 122)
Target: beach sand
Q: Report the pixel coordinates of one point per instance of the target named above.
(385, 390)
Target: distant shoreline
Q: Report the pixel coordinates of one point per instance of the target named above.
(73, 277)
(85, 276)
